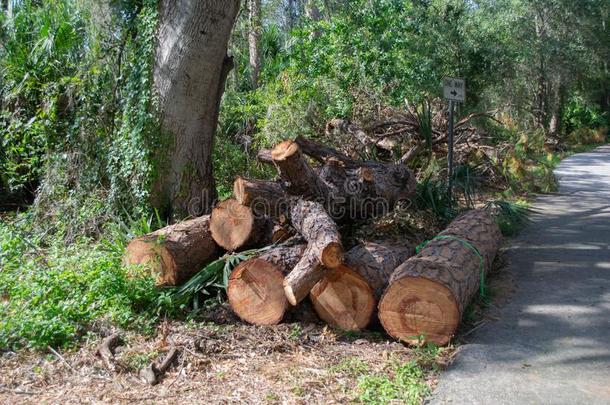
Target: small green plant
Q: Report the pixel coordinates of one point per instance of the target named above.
(351, 367)
(271, 397)
(295, 332)
(432, 195)
(407, 385)
(137, 361)
(214, 277)
(427, 354)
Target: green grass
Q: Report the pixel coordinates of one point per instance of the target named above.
(405, 383)
(55, 295)
(398, 382)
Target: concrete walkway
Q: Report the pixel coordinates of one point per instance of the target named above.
(552, 342)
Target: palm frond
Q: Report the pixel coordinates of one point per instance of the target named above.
(512, 216)
(213, 278)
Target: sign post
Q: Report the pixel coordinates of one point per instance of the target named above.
(454, 90)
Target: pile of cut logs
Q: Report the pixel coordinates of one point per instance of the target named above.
(295, 222)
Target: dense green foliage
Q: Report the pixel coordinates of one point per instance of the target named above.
(54, 295)
(77, 121)
(79, 132)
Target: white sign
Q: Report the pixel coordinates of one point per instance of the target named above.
(454, 89)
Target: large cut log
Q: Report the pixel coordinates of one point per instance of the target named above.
(324, 248)
(176, 252)
(389, 182)
(262, 196)
(343, 299)
(347, 296)
(299, 178)
(255, 289)
(349, 189)
(235, 226)
(427, 294)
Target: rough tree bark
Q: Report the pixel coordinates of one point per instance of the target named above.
(191, 65)
(427, 294)
(347, 296)
(176, 252)
(348, 188)
(324, 249)
(254, 39)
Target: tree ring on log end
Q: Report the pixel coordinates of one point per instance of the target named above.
(284, 150)
(256, 293)
(417, 310)
(332, 255)
(148, 252)
(232, 224)
(343, 299)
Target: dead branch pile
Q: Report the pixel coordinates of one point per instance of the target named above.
(314, 202)
(419, 132)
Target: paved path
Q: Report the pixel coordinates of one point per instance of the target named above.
(552, 342)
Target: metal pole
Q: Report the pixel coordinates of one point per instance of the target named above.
(450, 155)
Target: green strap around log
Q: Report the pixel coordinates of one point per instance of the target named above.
(469, 246)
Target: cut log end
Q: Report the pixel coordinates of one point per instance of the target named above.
(290, 295)
(175, 253)
(332, 255)
(416, 310)
(239, 191)
(343, 299)
(148, 252)
(232, 225)
(284, 150)
(256, 294)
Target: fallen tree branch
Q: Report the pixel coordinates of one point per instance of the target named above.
(153, 373)
(264, 156)
(105, 350)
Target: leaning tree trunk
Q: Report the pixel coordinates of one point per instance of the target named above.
(346, 297)
(191, 65)
(255, 289)
(174, 253)
(427, 294)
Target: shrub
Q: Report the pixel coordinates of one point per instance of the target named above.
(580, 114)
(55, 295)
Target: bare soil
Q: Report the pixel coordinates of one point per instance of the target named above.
(288, 363)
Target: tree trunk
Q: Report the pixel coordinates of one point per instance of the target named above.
(324, 249)
(191, 66)
(255, 288)
(376, 261)
(313, 13)
(176, 252)
(254, 39)
(427, 294)
(346, 297)
(291, 15)
(235, 226)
